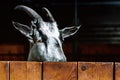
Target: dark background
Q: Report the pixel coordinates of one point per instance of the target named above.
(97, 40)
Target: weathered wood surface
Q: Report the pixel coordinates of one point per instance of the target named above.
(95, 71)
(60, 71)
(17, 70)
(25, 71)
(117, 71)
(4, 70)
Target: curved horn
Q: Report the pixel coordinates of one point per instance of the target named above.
(48, 13)
(29, 11)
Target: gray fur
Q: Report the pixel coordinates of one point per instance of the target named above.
(44, 36)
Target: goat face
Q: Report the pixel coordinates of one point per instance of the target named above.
(45, 37)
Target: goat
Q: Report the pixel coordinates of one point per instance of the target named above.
(44, 36)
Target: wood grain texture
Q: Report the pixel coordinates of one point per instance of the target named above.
(117, 71)
(34, 71)
(4, 70)
(95, 71)
(12, 49)
(25, 71)
(60, 71)
(18, 71)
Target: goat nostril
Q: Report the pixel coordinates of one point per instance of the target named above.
(60, 60)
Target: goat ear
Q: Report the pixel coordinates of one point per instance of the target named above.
(69, 31)
(24, 29)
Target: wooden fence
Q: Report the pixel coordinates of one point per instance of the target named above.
(16, 70)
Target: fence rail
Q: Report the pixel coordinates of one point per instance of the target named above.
(17, 70)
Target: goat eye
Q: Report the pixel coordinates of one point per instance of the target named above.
(57, 45)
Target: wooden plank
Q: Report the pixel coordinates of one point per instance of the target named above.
(25, 71)
(117, 71)
(95, 71)
(103, 49)
(34, 71)
(4, 70)
(60, 71)
(12, 48)
(18, 71)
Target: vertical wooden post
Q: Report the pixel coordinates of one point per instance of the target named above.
(34, 71)
(117, 71)
(25, 71)
(4, 70)
(95, 71)
(60, 71)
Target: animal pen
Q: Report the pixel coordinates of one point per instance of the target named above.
(92, 54)
(17, 70)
